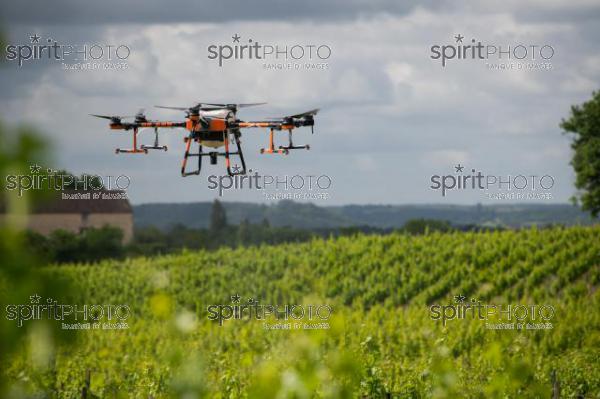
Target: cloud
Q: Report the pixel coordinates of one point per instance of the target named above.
(445, 158)
(389, 112)
(154, 11)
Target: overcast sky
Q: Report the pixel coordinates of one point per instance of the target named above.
(391, 116)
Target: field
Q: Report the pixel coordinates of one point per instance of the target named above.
(381, 342)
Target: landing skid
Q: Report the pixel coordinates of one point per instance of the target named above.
(135, 149)
(156, 146)
(213, 156)
(285, 150)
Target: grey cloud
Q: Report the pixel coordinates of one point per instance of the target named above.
(74, 12)
(391, 116)
(155, 11)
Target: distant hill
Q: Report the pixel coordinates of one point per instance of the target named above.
(310, 216)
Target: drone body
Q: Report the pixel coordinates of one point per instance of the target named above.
(212, 126)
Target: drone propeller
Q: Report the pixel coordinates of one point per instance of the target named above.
(113, 118)
(176, 108)
(188, 111)
(209, 107)
(312, 112)
(195, 110)
(305, 118)
(232, 107)
(140, 117)
(242, 105)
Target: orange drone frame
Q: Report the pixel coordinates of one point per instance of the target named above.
(214, 126)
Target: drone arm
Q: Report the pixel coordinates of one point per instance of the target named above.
(283, 123)
(162, 124)
(191, 124)
(141, 125)
(265, 124)
(242, 124)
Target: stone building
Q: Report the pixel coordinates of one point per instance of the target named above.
(76, 211)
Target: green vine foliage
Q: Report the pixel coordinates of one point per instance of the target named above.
(382, 341)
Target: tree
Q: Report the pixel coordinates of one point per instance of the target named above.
(243, 233)
(584, 124)
(218, 217)
(265, 223)
(65, 246)
(102, 243)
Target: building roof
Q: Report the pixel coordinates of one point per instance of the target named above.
(79, 201)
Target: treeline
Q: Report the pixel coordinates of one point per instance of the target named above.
(94, 244)
(153, 241)
(91, 245)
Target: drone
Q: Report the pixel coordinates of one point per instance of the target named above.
(212, 126)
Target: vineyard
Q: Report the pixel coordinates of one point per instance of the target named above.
(381, 342)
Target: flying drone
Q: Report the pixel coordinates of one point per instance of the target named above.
(213, 126)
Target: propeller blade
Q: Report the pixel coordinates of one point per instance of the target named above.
(249, 105)
(213, 104)
(221, 105)
(176, 108)
(105, 116)
(113, 117)
(307, 113)
(211, 108)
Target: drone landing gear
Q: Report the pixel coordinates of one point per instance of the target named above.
(236, 170)
(155, 146)
(285, 150)
(291, 145)
(135, 149)
(188, 144)
(213, 156)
